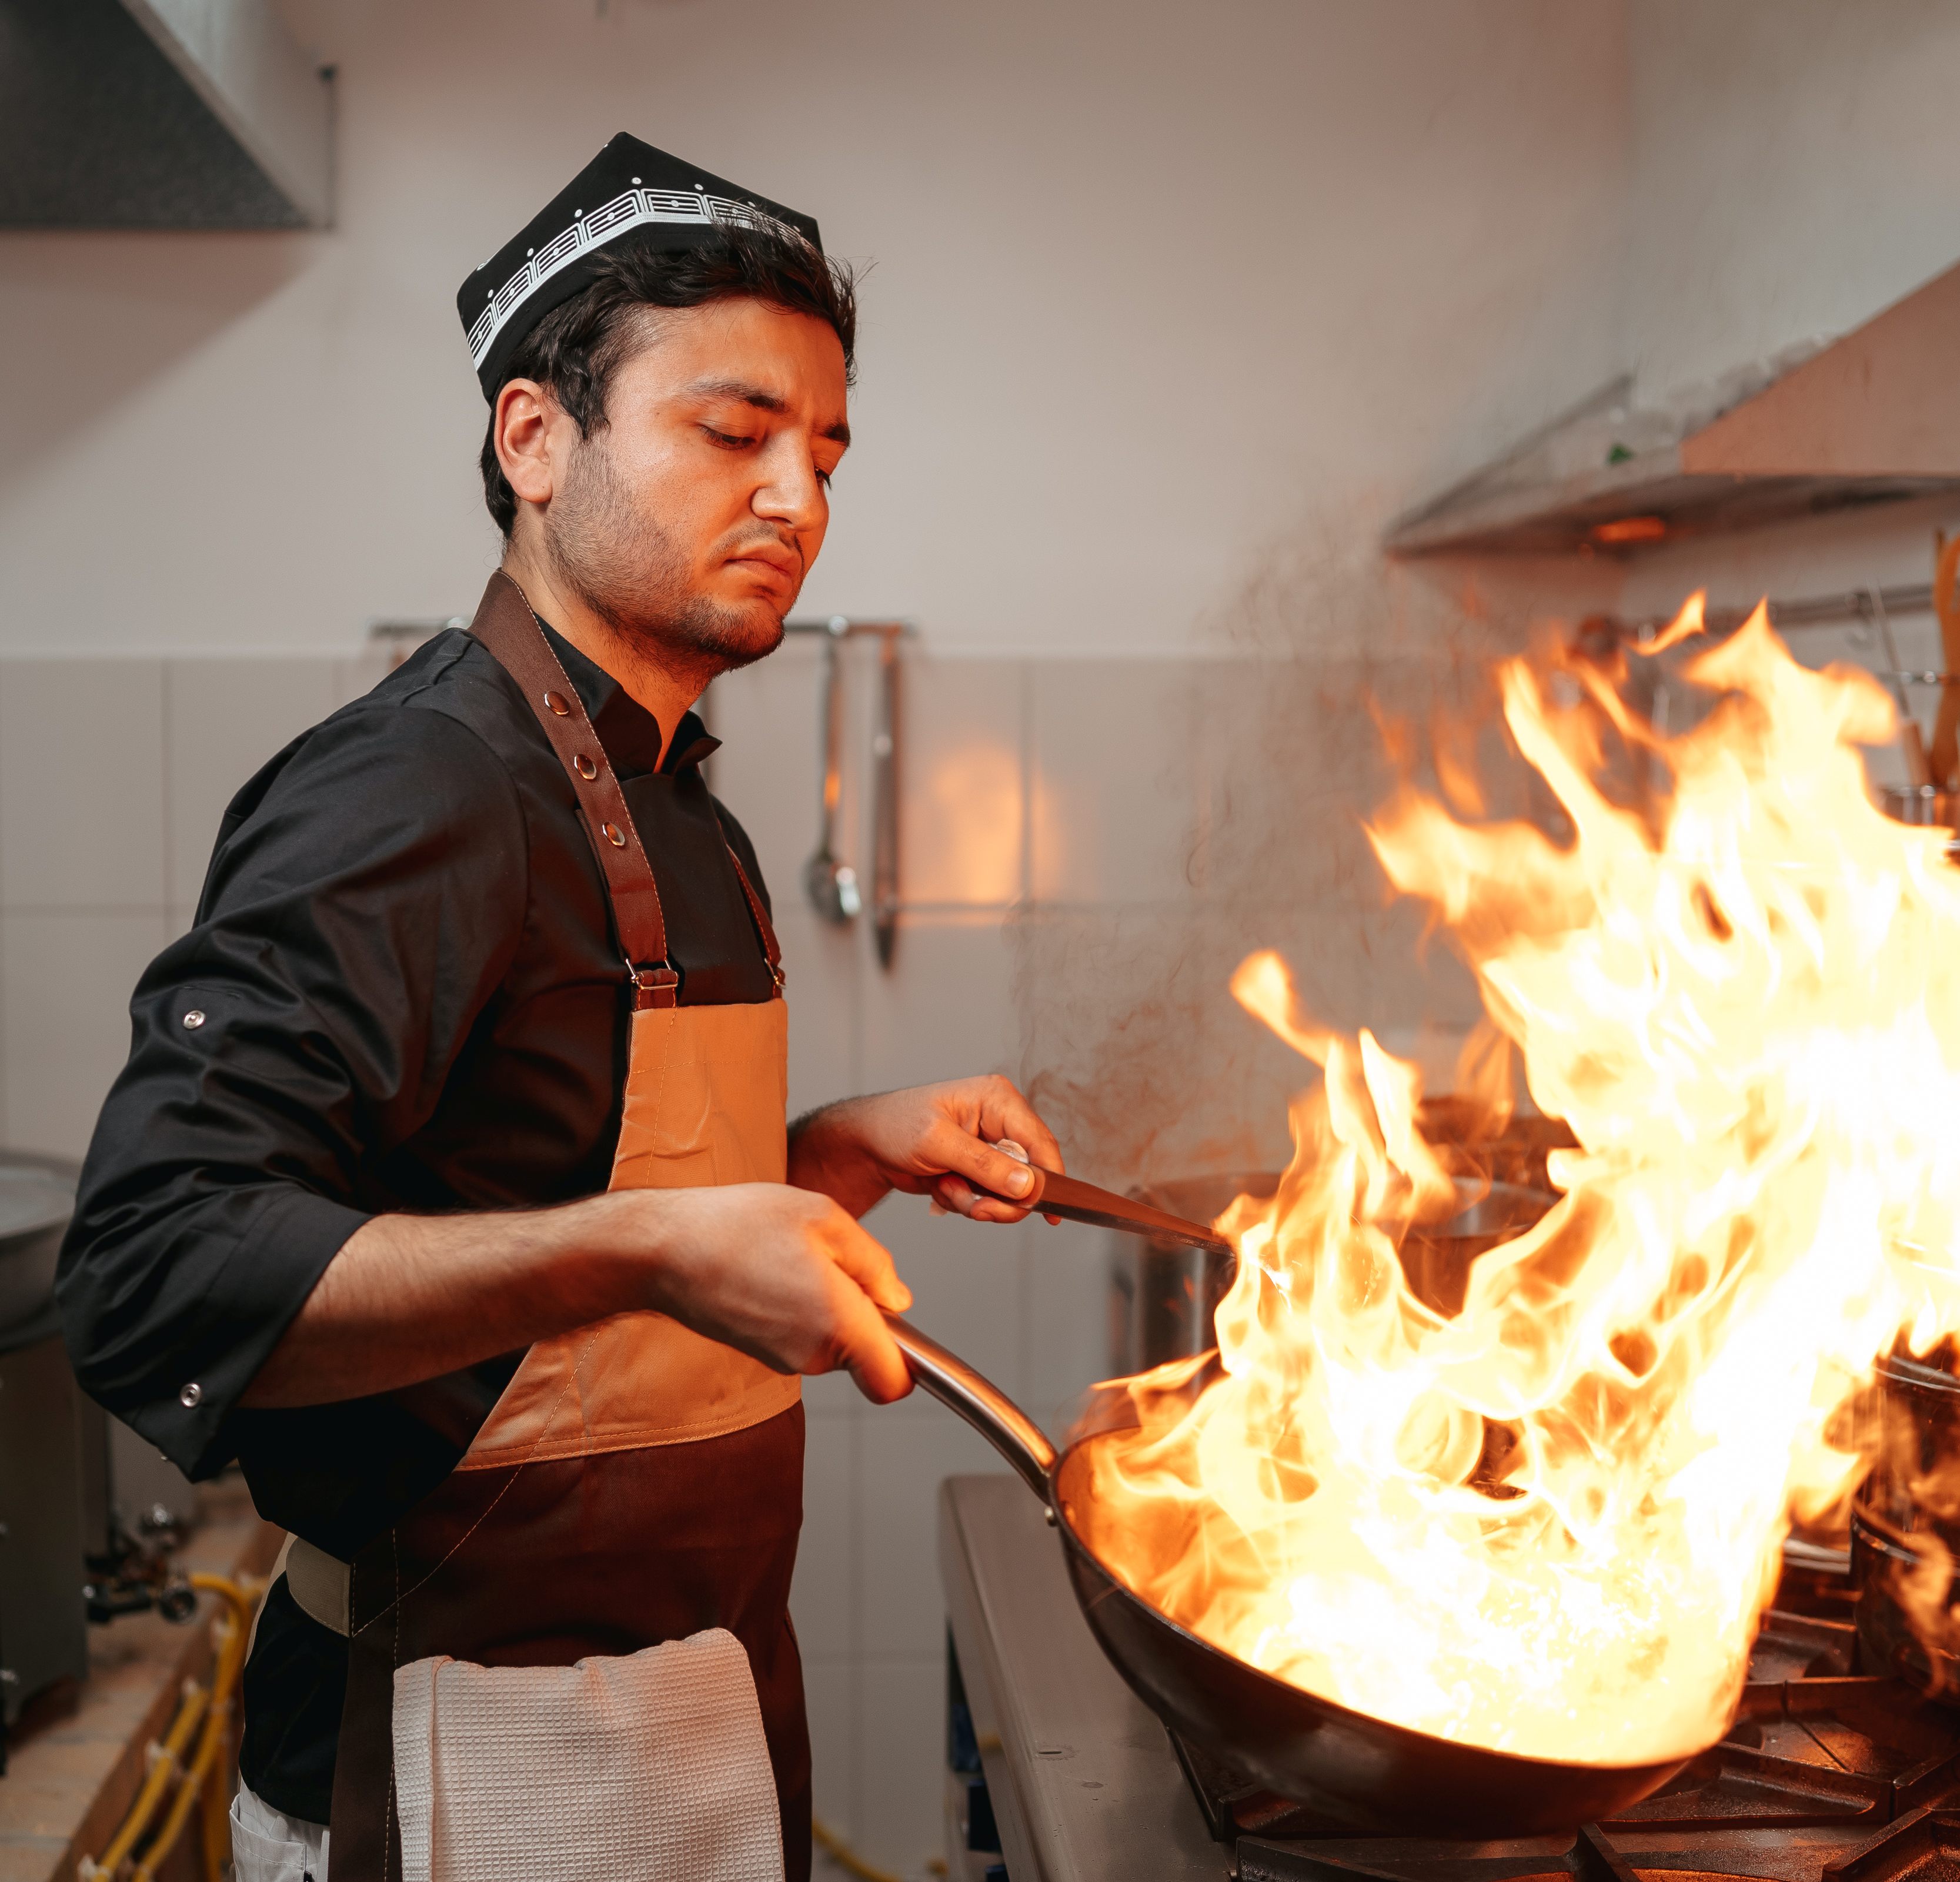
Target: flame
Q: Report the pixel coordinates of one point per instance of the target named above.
(1549, 1524)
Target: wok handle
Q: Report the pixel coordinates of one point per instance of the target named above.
(983, 1406)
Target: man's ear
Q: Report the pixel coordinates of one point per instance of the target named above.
(522, 428)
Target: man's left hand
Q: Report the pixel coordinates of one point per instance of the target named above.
(933, 1140)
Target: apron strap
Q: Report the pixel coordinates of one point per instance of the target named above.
(506, 625)
(772, 951)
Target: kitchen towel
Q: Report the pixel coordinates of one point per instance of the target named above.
(651, 1765)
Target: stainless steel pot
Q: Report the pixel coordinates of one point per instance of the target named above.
(1162, 1295)
(1911, 1424)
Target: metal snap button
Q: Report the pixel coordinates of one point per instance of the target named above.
(191, 1396)
(614, 835)
(559, 704)
(584, 767)
(194, 1019)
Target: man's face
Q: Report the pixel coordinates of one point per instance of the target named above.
(689, 521)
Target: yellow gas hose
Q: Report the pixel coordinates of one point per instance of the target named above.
(205, 1776)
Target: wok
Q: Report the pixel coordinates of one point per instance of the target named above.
(1352, 1768)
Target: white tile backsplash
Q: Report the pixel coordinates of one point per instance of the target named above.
(223, 718)
(966, 1283)
(1115, 753)
(81, 796)
(66, 981)
(942, 1011)
(963, 784)
(907, 1449)
(766, 770)
(903, 1759)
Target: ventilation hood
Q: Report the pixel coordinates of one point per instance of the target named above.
(173, 114)
(1868, 419)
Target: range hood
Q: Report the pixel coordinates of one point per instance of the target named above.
(1868, 419)
(176, 114)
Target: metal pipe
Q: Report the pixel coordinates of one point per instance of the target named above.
(1866, 606)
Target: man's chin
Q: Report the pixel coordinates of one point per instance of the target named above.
(738, 632)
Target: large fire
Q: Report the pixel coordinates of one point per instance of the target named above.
(1549, 1523)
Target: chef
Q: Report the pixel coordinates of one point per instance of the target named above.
(447, 1187)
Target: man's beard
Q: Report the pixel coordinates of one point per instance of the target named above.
(632, 575)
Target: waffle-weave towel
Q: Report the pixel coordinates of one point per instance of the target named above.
(651, 1767)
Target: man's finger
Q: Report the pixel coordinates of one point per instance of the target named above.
(865, 1348)
(868, 1263)
(982, 1165)
(1017, 1118)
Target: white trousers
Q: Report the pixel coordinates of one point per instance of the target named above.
(267, 1846)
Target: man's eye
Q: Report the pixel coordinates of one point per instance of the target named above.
(733, 440)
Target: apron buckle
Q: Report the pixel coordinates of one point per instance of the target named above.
(656, 986)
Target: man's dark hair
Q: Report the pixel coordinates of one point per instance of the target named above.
(576, 348)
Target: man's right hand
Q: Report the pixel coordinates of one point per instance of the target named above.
(783, 1275)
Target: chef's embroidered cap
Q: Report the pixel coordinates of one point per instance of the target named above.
(629, 190)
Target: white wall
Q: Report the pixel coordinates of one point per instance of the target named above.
(1155, 285)
(1793, 167)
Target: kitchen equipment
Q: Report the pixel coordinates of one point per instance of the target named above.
(1911, 1422)
(1163, 1292)
(1944, 759)
(885, 801)
(46, 1480)
(1912, 742)
(1349, 1767)
(832, 885)
(1823, 1776)
(1074, 1200)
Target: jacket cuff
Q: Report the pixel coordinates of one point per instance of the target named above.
(256, 1296)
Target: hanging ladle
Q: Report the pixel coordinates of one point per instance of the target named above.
(832, 885)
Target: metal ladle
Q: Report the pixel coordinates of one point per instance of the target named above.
(832, 885)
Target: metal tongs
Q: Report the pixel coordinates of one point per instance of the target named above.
(1074, 1200)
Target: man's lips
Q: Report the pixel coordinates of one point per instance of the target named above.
(778, 561)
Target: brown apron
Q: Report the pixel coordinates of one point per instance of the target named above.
(635, 1484)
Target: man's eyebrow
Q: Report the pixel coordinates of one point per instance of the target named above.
(740, 390)
(743, 393)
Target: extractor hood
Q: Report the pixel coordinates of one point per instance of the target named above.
(179, 114)
(1868, 419)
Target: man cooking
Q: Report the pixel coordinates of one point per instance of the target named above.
(447, 1186)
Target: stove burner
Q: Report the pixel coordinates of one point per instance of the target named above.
(1826, 1776)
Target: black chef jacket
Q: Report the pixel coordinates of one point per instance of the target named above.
(403, 992)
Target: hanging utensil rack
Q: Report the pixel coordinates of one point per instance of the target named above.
(885, 779)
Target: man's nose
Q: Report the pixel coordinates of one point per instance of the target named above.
(793, 494)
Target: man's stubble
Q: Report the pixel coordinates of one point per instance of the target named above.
(634, 576)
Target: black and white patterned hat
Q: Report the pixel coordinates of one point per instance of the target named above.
(629, 189)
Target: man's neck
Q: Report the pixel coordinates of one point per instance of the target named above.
(666, 696)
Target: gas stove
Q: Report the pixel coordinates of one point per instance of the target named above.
(1826, 1776)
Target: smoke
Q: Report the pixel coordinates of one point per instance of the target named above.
(1331, 673)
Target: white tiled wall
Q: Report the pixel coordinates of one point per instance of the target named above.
(1081, 798)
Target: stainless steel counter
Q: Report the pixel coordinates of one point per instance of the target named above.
(1084, 1784)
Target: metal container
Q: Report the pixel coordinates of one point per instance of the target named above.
(1911, 1423)
(1161, 1297)
(48, 1467)
(1921, 804)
